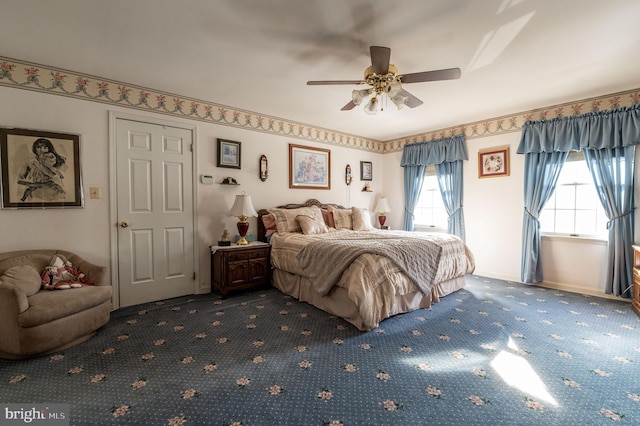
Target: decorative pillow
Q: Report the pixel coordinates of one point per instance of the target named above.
(342, 218)
(312, 224)
(24, 277)
(361, 219)
(286, 218)
(269, 221)
(328, 218)
(62, 275)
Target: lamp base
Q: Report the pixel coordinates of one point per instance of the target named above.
(243, 227)
(382, 219)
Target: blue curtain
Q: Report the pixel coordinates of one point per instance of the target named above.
(450, 183)
(541, 171)
(415, 158)
(606, 137)
(612, 171)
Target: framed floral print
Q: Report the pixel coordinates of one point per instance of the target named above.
(493, 162)
(366, 170)
(40, 169)
(229, 154)
(309, 168)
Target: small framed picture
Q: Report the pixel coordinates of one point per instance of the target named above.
(366, 170)
(309, 168)
(229, 154)
(40, 169)
(493, 162)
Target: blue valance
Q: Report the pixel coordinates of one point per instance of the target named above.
(439, 151)
(597, 130)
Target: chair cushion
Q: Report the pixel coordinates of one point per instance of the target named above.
(24, 277)
(47, 306)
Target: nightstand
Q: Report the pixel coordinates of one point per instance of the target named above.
(240, 267)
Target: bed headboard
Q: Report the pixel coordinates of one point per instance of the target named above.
(310, 202)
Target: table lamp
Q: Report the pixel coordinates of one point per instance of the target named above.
(242, 209)
(382, 207)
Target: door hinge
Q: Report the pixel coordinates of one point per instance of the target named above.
(194, 276)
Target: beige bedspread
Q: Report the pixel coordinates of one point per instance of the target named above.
(325, 261)
(455, 258)
(373, 283)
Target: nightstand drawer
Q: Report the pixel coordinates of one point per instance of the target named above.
(237, 255)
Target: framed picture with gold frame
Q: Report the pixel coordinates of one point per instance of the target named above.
(309, 168)
(493, 162)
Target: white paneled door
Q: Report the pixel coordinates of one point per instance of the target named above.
(155, 212)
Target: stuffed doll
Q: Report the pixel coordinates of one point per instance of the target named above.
(62, 275)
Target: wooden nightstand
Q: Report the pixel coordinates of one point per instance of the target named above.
(635, 301)
(240, 267)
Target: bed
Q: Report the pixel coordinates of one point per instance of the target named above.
(331, 257)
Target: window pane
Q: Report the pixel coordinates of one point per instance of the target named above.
(565, 197)
(586, 222)
(546, 221)
(564, 221)
(586, 197)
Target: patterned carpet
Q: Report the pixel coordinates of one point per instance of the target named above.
(494, 353)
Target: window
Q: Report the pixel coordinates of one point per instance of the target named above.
(574, 209)
(430, 211)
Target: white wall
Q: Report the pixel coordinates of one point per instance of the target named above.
(87, 231)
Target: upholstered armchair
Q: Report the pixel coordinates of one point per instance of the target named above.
(35, 321)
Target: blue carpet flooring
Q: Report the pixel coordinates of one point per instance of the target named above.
(494, 353)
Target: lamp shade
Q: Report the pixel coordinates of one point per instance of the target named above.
(383, 206)
(242, 207)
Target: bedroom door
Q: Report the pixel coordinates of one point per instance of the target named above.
(155, 212)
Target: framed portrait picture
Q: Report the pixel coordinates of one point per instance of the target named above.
(366, 170)
(493, 162)
(309, 168)
(229, 154)
(40, 169)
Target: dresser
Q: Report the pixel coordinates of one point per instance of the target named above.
(240, 267)
(635, 301)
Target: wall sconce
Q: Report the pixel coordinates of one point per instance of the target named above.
(242, 209)
(382, 207)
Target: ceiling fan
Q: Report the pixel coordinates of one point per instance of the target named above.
(384, 79)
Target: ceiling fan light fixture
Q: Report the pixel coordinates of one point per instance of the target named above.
(372, 107)
(357, 96)
(394, 89)
(399, 100)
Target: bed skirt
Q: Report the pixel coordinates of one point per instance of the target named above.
(337, 302)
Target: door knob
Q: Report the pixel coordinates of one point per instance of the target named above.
(124, 224)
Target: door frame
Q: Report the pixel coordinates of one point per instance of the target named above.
(114, 116)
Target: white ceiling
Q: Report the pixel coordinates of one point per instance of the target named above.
(515, 55)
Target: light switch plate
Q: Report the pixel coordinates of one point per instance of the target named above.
(94, 192)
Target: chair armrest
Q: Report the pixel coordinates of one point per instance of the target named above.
(94, 273)
(13, 301)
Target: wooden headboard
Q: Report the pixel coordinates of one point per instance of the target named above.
(310, 202)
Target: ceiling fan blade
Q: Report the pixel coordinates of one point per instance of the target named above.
(380, 57)
(411, 101)
(446, 74)
(348, 106)
(326, 82)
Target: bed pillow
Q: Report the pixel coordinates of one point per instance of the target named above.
(328, 218)
(361, 219)
(269, 222)
(286, 218)
(342, 218)
(312, 224)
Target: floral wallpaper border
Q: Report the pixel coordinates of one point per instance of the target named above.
(42, 78)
